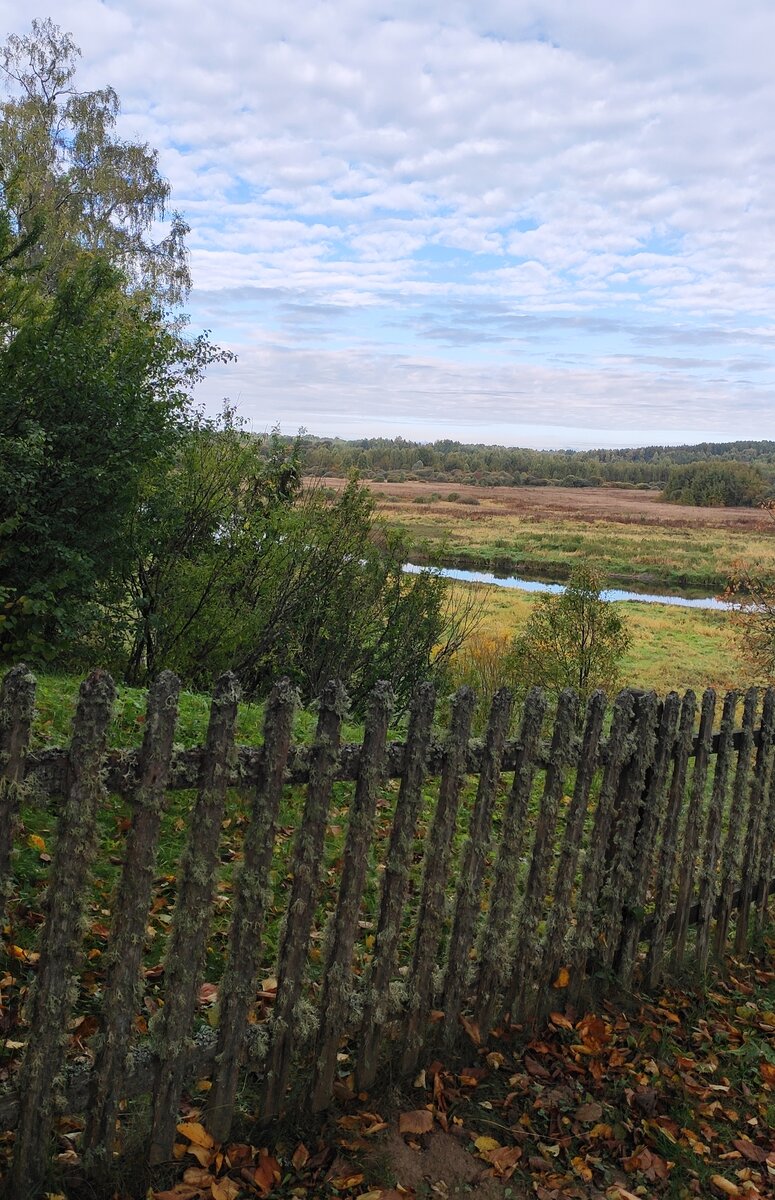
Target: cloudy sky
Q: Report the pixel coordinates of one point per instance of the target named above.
(534, 222)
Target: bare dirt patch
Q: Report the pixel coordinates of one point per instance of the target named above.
(443, 1167)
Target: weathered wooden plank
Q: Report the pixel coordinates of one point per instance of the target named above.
(554, 950)
(307, 867)
(17, 703)
(60, 946)
(562, 755)
(757, 809)
(131, 917)
(618, 750)
(496, 947)
(474, 860)
(764, 883)
(185, 955)
(668, 850)
(633, 791)
(693, 828)
(651, 818)
(709, 876)
(376, 1005)
(252, 897)
(733, 844)
(337, 975)
(435, 878)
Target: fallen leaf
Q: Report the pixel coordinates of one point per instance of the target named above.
(300, 1157)
(416, 1122)
(563, 978)
(197, 1134)
(725, 1186)
(486, 1143)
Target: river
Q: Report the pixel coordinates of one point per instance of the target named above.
(538, 585)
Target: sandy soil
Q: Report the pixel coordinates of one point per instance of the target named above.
(585, 504)
(443, 1167)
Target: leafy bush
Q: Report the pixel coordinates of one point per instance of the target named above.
(572, 640)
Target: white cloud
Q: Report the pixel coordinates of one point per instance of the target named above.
(609, 162)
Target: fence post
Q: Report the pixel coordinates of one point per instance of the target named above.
(563, 751)
(379, 976)
(692, 829)
(185, 954)
(17, 703)
(652, 814)
(496, 943)
(732, 852)
(553, 950)
(307, 868)
(760, 787)
(252, 896)
(668, 850)
(709, 880)
(131, 915)
(54, 989)
(337, 974)
(463, 935)
(617, 751)
(431, 911)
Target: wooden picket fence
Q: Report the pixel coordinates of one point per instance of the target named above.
(620, 844)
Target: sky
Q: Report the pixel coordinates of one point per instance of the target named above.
(528, 222)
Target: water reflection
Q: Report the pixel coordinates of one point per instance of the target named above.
(537, 585)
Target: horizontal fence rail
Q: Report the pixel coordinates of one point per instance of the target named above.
(353, 904)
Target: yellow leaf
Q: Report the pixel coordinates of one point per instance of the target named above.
(563, 978)
(36, 843)
(197, 1134)
(725, 1185)
(486, 1143)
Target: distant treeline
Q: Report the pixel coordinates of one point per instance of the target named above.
(749, 467)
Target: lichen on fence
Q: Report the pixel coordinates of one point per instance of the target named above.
(588, 855)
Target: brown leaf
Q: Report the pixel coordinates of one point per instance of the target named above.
(749, 1151)
(300, 1157)
(768, 1073)
(472, 1029)
(725, 1186)
(416, 1122)
(563, 978)
(589, 1114)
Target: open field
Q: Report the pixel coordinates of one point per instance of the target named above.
(630, 536)
(672, 648)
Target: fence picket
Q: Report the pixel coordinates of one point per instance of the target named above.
(760, 787)
(709, 876)
(733, 844)
(378, 978)
(668, 849)
(767, 867)
(17, 703)
(617, 750)
(337, 975)
(693, 828)
(563, 752)
(252, 896)
(60, 947)
(463, 936)
(552, 954)
(307, 869)
(131, 916)
(496, 944)
(633, 792)
(651, 818)
(432, 897)
(191, 920)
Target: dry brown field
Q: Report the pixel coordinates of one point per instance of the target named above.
(575, 504)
